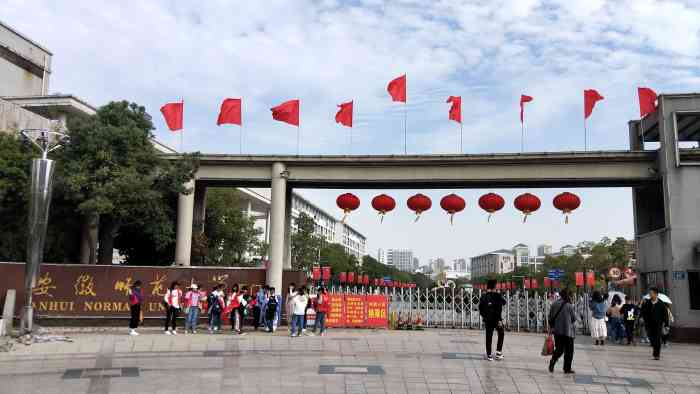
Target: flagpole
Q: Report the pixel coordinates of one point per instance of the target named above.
(461, 137)
(585, 136)
(240, 132)
(405, 116)
(522, 136)
(182, 133)
(298, 139)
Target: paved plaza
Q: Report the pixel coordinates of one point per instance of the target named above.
(345, 361)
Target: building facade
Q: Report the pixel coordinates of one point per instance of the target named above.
(401, 259)
(497, 262)
(25, 66)
(544, 250)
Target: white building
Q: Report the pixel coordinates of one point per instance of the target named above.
(568, 250)
(544, 250)
(497, 262)
(401, 259)
(460, 265)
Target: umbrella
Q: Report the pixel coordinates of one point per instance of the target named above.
(662, 297)
(612, 294)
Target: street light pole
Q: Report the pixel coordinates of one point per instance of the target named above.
(39, 201)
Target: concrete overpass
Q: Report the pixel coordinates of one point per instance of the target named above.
(665, 183)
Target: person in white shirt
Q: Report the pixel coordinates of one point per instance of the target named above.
(299, 302)
(172, 300)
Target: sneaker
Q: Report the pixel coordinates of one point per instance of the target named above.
(194, 331)
(174, 332)
(499, 356)
(570, 372)
(309, 333)
(489, 357)
(168, 332)
(294, 335)
(323, 334)
(133, 332)
(242, 333)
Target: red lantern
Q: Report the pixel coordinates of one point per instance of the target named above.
(491, 203)
(342, 277)
(452, 204)
(566, 202)
(348, 202)
(527, 203)
(419, 203)
(383, 204)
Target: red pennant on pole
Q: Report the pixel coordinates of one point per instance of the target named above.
(230, 112)
(287, 112)
(647, 101)
(523, 99)
(344, 115)
(397, 89)
(172, 112)
(456, 108)
(590, 279)
(590, 97)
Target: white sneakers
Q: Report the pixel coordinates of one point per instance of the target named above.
(170, 332)
(133, 332)
(499, 356)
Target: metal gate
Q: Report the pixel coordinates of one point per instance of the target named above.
(446, 307)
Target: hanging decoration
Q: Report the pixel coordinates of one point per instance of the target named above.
(419, 203)
(452, 203)
(527, 203)
(491, 203)
(348, 202)
(383, 204)
(566, 202)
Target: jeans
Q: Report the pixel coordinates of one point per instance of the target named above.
(171, 317)
(320, 322)
(297, 324)
(490, 326)
(135, 316)
(563, 345)
(192, 318)
(269, 322)
(215, 320)
(617, 329)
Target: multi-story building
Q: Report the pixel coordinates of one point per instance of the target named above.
(381, 256)
(25, 66)
(401, 259)
(497, 262)
(544, 250)
(522, 255)
(437, 265)
(416, 264)
(568, 250)
(460, 265)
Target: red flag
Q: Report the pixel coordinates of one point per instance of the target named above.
(344, 115)
(456, 109)
(590, 97)
(547, 283)
(287, 112)
(172, 112)
(230, 112)
(316, 273)
(397, 89)
(579, 279)
(535, 284)
(590, 279)
(647, 101)
(523, 99)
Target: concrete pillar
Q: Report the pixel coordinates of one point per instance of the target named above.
(185, 214)
(200, 207)
(277, 221)
(288, 232)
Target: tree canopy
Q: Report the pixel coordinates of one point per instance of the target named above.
(306, 244)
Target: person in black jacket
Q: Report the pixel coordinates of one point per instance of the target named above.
(655, 317)
(630, 314)
(491, 308)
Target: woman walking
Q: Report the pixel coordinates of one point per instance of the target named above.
(299, 303)
(135, 301)
(562, 319)
(172, 300)
(322, 308)
(615, 319)
(599, 330)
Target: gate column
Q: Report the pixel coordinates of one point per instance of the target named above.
(185, 214)
(278, 215)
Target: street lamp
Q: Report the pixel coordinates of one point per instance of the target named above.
(39, 202)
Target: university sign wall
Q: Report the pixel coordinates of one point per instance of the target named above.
(69, 290)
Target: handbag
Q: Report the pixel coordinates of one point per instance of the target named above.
(548, 346)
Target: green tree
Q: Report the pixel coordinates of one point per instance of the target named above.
(335, 256)
(306, 244)
(231, 234)
(15, 159)
(117, 179)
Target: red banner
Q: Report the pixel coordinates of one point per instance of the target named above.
(342, 277)
(547, 283)
(354, 310)
(590, 279)
(336, 316)
(316, 273)
(534, 283)
(326, 273)
(579, 279)
(377, 311)
(351, 278)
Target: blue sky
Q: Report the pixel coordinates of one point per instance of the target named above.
(328, 52)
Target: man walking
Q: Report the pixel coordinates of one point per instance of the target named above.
(655, 317)
(490, 309)
(630, 313)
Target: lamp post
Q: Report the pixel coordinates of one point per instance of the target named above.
(39, 202)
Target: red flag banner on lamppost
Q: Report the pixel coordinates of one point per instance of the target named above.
(344, 114)
(173, 114)
(456, 115)
(579, 279)
(590, 97)
(547, 283)
(647, 101)
(534, 283)
(342, 277)
(397, 91)
(288, 112)
(316, 273)
(590, 279)
(523, 99)
(326, 273)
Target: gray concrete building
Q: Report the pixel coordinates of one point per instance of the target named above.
(499, 261)
(25, 66)
(401, 259)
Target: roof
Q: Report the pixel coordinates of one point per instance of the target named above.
(24, 37)
(44, 104)
(521, 246)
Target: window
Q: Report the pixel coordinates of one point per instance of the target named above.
(694, 289)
